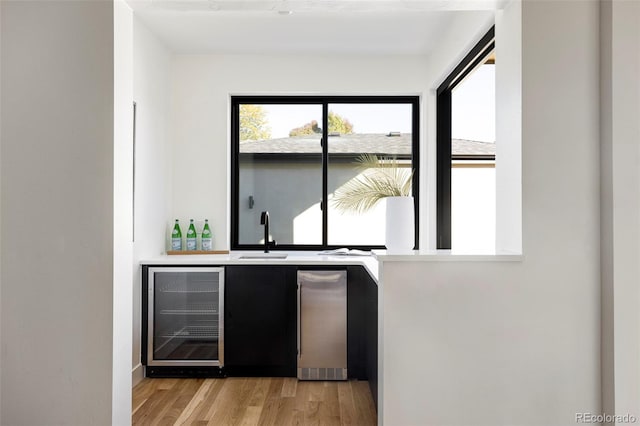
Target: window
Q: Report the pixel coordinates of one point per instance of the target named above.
(281, 164)
(466, 152)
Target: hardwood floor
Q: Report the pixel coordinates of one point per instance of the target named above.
(252, 401)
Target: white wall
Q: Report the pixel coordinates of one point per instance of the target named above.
(153, 166)
(620, 206)
(122, 208)
(509, 128)
(0, 211)
(516, 343)
(473, 208)
(200, 112)
(57, 212)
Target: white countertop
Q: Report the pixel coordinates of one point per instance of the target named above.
(293, 258)
(314, 258)
(445, 256)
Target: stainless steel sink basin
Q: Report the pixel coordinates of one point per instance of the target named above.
(262, 256)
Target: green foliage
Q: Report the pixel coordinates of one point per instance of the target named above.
(337, 123)
(308, 129)
(380, 178)
(253, 123)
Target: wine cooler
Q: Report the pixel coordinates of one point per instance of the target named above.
(184, 319)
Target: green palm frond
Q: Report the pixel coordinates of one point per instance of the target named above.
(379, 178)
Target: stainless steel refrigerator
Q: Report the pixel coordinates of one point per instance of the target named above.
(322, 325)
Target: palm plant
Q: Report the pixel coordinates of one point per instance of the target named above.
(381, 177)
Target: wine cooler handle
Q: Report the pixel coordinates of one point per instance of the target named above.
(299, 320)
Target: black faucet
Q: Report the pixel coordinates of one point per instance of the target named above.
(264, 220)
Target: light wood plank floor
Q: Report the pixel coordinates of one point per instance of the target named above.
(252, 401)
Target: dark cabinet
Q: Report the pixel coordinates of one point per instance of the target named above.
(356, 322)
(260, 321)
(362, 329)
(371, 334)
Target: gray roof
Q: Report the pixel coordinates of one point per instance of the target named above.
(470, 148)
(357, 144)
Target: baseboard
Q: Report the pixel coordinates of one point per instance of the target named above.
(137, 374)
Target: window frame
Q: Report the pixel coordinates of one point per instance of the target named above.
(324, 101)
(473, 59)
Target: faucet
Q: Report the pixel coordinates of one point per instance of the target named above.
(264, 220)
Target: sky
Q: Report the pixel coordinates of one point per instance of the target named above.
(366, 118)
(473, 106)
(473, 112)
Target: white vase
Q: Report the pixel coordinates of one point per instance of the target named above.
(400, 234)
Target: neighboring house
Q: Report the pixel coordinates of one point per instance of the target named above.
(351, 145)
(271, 166)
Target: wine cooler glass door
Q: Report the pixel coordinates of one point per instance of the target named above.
(185, 316)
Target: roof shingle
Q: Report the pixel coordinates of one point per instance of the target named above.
(357, 143)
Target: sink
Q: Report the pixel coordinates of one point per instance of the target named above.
(262, 256)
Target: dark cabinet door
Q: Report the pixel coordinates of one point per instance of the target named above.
(362, 332)
(260, 321)
(356, 322)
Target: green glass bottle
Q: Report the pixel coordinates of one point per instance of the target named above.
(176, 237)
(192, 237)
(207, 238)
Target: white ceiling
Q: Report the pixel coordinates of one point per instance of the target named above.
(398, 27)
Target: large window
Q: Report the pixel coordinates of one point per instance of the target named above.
(466, 185)
(281, 164)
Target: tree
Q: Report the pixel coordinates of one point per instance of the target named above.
(337, 123)
(308, 129)
(253, 123)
